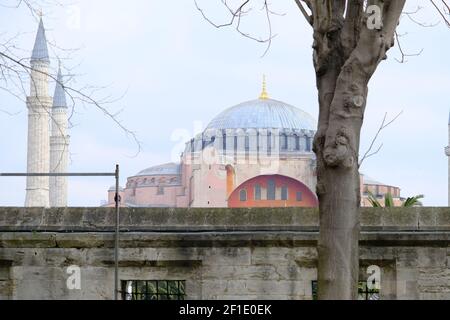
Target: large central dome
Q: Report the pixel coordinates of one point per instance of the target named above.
(263, 113)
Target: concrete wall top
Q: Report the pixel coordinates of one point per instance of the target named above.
(213, 219)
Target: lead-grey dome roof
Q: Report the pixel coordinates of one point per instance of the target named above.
(263, 113)
(162, 169)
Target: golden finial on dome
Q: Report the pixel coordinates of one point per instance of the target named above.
(264, 94)
(40, 13)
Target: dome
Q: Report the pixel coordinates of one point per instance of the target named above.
(162, 169)
(263, 113)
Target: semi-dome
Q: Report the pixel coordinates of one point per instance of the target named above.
(162, 169)
(263, 113)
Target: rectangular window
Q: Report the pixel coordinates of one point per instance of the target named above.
(153, 290)
(257, 192)
(284, 192)
(271, 189)
(364, 293)
(298, 196)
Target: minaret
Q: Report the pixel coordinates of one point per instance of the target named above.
(59, 145)
(38, 104)
(447, 153)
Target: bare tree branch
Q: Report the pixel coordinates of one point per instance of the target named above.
(236, 18)
(383, 126)
(307, 16)
(402, 53)
(443, 12)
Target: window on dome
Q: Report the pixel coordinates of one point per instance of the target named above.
(269, 142)
(257, 191)
(284, 141)
(243, 195)
(257, 141)
(247, 143)
(308, 144)
(224, 142)
(284, 192)
(298, 196)
(297, 142)
(271, 189)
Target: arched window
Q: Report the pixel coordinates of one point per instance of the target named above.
(284, 192)
(271, 189)
(243, 195)
(257, 191)
(247, 143)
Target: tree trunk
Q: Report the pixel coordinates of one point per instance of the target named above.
(347, 51)
(338, 190)
(338, 241)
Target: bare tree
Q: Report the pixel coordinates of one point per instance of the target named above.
(350, 39)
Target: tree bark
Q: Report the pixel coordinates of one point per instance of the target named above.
(346, 54)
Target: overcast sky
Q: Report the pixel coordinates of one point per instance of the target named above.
(177, 72)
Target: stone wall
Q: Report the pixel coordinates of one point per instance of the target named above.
(220, 253)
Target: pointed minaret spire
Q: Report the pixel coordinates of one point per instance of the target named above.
(264, 95)
(40, 50)
(59, 97)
